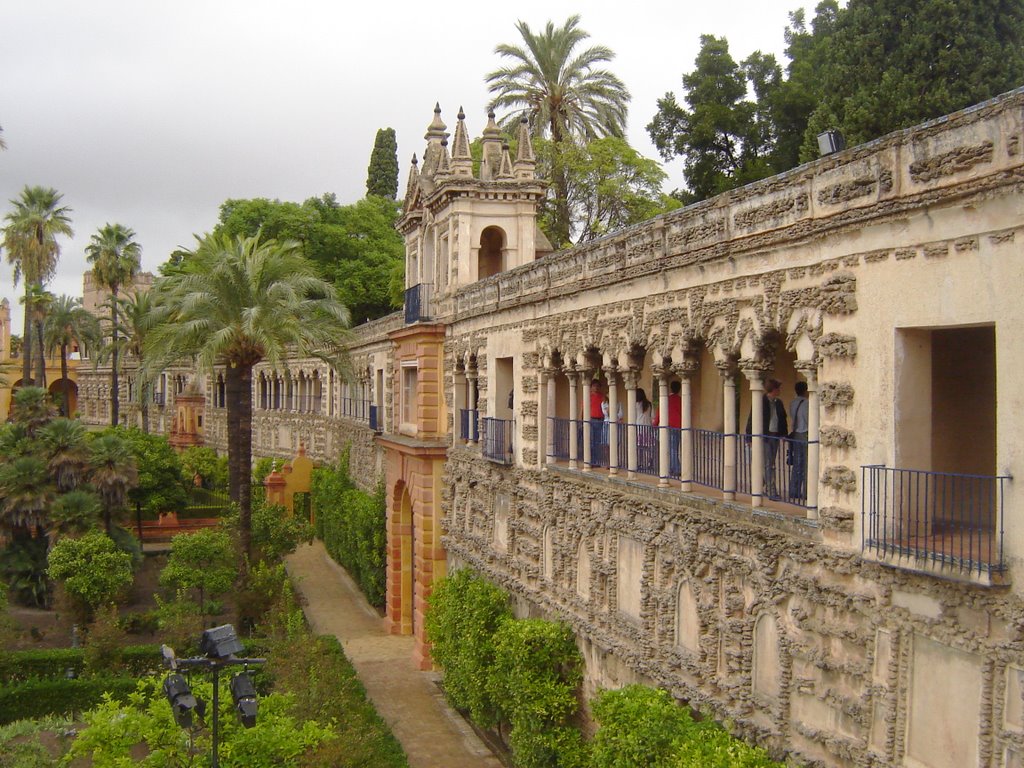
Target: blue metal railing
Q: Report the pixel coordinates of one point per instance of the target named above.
(559, 438)
(708, 458)
(496, 438)
(417, 303)
(375, 424)
(946, 518)
(468, 428)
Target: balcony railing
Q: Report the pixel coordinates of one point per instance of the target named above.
(417, 303)
(375, 424)
(947, 519)
(356, 408)
(496, 438)
(468, 424)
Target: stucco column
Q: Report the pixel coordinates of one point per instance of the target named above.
(574, 419)
(542, 418)
(729, 425)
(757, 435)
(663, 431)
(631, 378)
(685, 372)
(813, 436)
(613, 424)
(587, 427)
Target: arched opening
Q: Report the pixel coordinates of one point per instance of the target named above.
(407, 534)
(687, 619)
(491, 259)
(56, 390)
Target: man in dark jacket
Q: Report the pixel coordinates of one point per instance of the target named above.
(774, 427)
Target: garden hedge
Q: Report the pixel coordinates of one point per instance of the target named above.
(58, 696)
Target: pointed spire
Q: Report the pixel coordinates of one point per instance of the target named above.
(462, 158)
(492, 149)
(444, 162)
(505, 169)
(436, 129)
(436, 133)
(526, 160)
(414, 179)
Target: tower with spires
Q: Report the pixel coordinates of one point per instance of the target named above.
(463, 225)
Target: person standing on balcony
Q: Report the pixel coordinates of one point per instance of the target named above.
(645, 440)
(675, 421)
(798, 448)
(775, 427)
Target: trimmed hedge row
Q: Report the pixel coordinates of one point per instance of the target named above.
(135, 660)
(57, 696)
(352, 525)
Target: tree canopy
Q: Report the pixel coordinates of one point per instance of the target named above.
(866, 69)
(355, 247)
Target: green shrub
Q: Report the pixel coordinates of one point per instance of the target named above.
(205, 561)
(277, 533)
(641, 727)
(352, 525)
(708, 745)
(104, 642)
(536, 673)
(465, 611)
(22, 742)
(203, 461)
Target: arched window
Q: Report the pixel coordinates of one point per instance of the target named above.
(491, 260)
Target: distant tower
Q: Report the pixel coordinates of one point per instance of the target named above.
(461, 227)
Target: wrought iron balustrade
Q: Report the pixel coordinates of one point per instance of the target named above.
(496, 437)
(944, 518)
(418, 303)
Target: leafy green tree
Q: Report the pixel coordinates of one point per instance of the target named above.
(276, 532)
(611, 185)
(66, 448)
(68, 323)
(115, 258)
(203, 461)
(205, 561)
(890, 64)
(724, 139)
(94, 571)
(159, 487)
(382, 175)
(113, 472)
(31, 409)
(238, 302)
(353, 246)
(30, 238)
(564, 92)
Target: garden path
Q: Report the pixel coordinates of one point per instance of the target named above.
(432, 734)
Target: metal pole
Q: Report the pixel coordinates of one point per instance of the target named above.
(216, 715)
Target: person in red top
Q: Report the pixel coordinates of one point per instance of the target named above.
(675, 421)
(596, 399)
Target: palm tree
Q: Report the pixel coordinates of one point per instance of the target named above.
(74, 513)
(562, 92)
(112, 473)
(39, 300)
(31, 409)
(235, 303)
(67, 452)
(68, 323)
(115, 259)
(26, 491)
(30, 238)
(140, 313)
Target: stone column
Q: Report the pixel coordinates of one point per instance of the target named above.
(471, 377)
(729, 425)
(574, 419)
(686, 371)
(810, 372)
(542, 418)
(613, 425)
(757, 426)
(552, 398)
(460, 401)
(587, 426)
(663, 429)
(631, 378)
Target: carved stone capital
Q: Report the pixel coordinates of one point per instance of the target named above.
(686, 369)
(631, 377)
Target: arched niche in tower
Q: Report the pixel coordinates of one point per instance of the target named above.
(491, 260)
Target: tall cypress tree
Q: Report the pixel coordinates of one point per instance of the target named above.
(382, 175)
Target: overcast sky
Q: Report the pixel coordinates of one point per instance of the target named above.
(152, 114)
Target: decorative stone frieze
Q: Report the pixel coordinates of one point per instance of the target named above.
(837, 437)
(839, 294)
(840, 478)
(862, 186)
(835, 394)
(837, 345)
(952, 162)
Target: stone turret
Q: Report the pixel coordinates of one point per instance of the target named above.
(462, 158)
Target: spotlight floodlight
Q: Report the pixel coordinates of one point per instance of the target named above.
(181, 699)
(220, 642)
(830, 142)
(244, 694)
